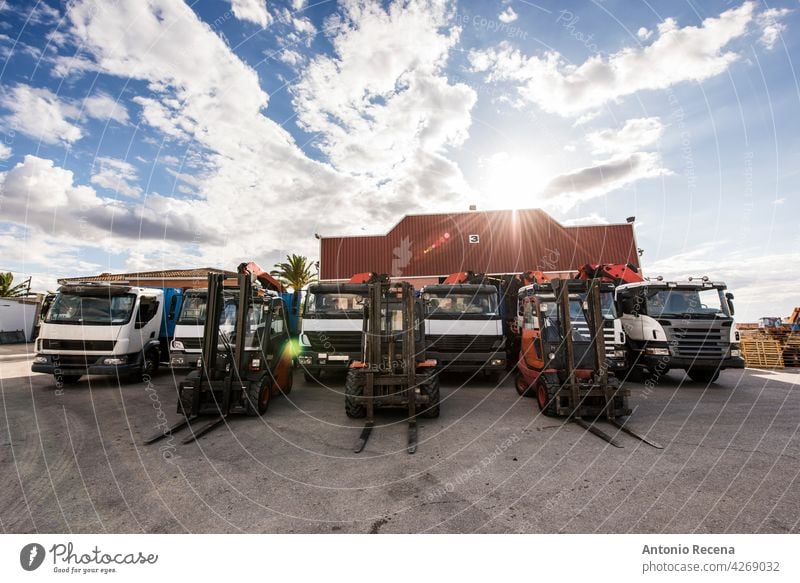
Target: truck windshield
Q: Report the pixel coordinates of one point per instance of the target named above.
(94, 310)
(448, 304)
(193, 310)
(687, 303)
(606, 305)
(334, 305)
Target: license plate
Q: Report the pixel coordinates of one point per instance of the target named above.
(338, 357)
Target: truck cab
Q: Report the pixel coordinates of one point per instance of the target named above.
(106, 329)
(330, 336)
(464, 328)
(187, 340)
(686, 325)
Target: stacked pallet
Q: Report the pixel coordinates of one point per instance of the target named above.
(762, 352)
(791, 350)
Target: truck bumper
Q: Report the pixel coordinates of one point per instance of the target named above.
(332, 361)
(469, 361)
(655, 362)
(80, 365)
(184, 360)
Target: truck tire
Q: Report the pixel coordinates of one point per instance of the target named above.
(258, 397)
(150, 363)
(522, 389)
(67, 379)
(546, 397)
(431, 388)
(704, 375)
(354, 387)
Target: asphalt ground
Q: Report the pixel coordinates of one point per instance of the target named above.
(72, 460)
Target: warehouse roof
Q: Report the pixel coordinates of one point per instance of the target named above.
(170, 274)
(504, 241)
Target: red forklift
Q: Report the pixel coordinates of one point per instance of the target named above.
(240, 372)
(562, 357)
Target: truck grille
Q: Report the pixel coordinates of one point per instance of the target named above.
(191, 343)
(698, 341)
(81, 345)
(74, 360)
(457, 343)
(608, 335)
(335, 341)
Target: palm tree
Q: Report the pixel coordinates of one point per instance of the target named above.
(8, 290)
(296, 272)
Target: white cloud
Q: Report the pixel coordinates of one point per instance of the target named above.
(593, 181)
(40, 114)
(691, 53)
(104, 107)
(591, 219)
(38, 195)
(771, 26)
(508, 15)
(383, 112)
(116, 175)
(254, 11)
(5, 151)
(292, 58)
(643, 33)
(634, 134)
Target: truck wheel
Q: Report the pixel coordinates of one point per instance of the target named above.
(354, 387)
(704, 375)
(258, 398)
(67, 379)
(431, 388)
(545, 398)
(522, 389)
(150, 363)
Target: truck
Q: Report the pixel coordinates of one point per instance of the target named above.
(685, 325)
(463, 325)
(106, 329)
(187, 341)
(330, 334)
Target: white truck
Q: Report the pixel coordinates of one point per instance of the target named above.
(106, 329)
(685, 325)
(463, 325)
(187, 340)
(330, 335)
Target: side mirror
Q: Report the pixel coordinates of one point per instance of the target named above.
(729, 298)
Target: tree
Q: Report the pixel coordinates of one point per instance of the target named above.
(296, 272)
(8, 290)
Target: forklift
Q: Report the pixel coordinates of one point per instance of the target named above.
(240, 372)
(393, 371)
(563, 360)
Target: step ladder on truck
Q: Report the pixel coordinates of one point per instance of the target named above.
(563, 358)
(392, 370)
(241, 372)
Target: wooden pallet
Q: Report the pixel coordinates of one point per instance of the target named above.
(791, 350)
(762, 352)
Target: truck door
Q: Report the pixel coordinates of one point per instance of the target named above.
(147, 322)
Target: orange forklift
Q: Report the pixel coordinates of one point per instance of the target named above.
(562, 357)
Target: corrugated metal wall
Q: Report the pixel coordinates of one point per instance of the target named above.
(483, 242)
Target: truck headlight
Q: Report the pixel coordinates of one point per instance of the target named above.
(304, 360)
(736, 352)
(255, 364)
(657, 351)
(619, 353)
(40, 360)
(497, 362)
(116, 360)
(176, 345)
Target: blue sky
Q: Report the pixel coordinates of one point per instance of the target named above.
(153, 134)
